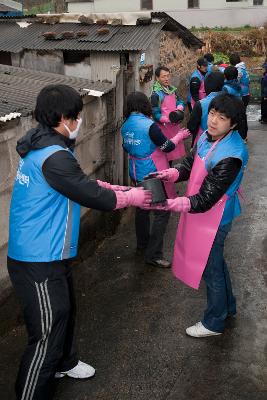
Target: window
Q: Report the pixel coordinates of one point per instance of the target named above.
(193, 3)
(257, 2)
(146, 5)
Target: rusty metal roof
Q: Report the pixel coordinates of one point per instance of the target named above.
(19, 88)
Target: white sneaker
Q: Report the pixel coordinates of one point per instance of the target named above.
(81, 371)
(199, 330)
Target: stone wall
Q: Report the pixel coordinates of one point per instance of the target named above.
(98, 150)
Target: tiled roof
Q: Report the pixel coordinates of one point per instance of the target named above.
(131, 38)
(19, 88)
(120, 38)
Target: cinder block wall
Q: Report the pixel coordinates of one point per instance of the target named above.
(98, 150)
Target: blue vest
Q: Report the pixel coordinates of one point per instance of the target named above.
(210, 67)
(198, 75)
(232, 87)
(43, 224)
(137, 143)
(205, 109)
(244, 81)
(231, 146)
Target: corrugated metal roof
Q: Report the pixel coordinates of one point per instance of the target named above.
(125, 38)
(19, 88)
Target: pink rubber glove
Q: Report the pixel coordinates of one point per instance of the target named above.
(167, 175)
(180, 107)
(181, 135)
(137, 197)
(179, 204)
(107, 185)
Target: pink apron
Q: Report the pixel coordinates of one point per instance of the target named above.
(160, 160)
(169, 129)
(201, 93)
(196, 232)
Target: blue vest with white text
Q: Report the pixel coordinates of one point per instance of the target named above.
(137, 143)
(230, 146)
(232, 87)
(43, 224)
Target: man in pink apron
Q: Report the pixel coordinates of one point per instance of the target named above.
(198, 121)
(214, 169)
(167, 109)
(148, 148)
(196, 84)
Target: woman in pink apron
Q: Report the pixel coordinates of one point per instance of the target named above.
(148, 148)
(196, 85)
(167, 109)
(214, 170)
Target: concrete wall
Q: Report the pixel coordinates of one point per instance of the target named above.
(43, 61)
(80, 70)
(105, 6)
(98, 149)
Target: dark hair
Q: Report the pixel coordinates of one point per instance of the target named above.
(234, 59)
(202, 62)
(138, 102)
(229, 105)
(214, 82)
(209, 57)
(230, 73)
(159, 69)
(55, 101)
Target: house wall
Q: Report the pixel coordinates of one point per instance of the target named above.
(104, 66)
(80, 70)
(43, 61)
(98, 150)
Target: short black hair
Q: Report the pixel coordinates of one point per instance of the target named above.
(229, 105)
(230, 73)
(138, 102)
(55, 101)
(209, 57)
(202, 62)
(214, 82)
(234, 59)
(159, 69)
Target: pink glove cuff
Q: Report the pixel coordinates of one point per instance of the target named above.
(163, 119)
(122, 200)
(105, 185)
(180, 204)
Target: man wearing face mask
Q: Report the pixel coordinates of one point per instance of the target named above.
(49, 188)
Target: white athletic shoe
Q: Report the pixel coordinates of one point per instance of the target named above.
(81, 371)
(199, 330)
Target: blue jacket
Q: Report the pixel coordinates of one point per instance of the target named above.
(244, 79)
(233, 87)
(49, 233)
(230, 146)
(137, 143)
(205, 109)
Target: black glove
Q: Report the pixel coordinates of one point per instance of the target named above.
(176, 116)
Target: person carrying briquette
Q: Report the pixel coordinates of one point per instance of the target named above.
(263, 119)
(48, 191)
(243, 77)
(214, 170)
(198, 121)
(167, 109)
(196, 84)
(148, 149)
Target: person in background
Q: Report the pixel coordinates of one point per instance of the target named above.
(148, 149)
(231, 83)
(263, 119)
(196, 84)
(215, 171)
(243, 76)
(49, 189)
(210, 58)
(167, 109)
(198, 121)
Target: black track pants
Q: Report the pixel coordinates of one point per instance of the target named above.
(46, 293)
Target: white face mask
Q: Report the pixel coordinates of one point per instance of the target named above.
(74, 134)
